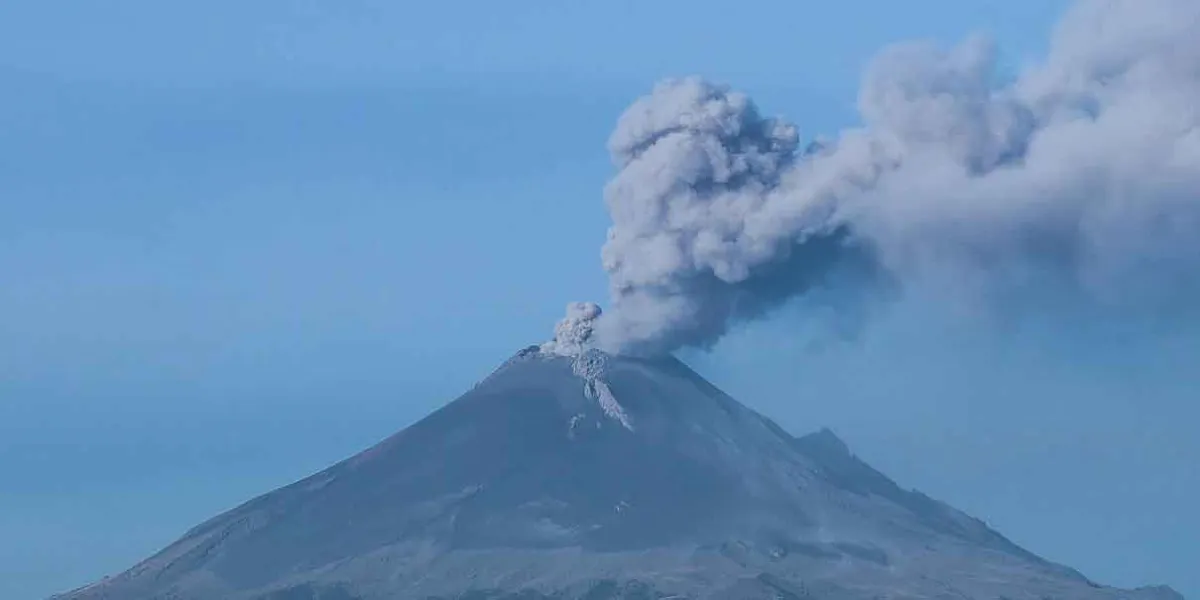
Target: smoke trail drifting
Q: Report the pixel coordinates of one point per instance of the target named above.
(1087, 166)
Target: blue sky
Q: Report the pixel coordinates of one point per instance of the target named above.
(240, 242)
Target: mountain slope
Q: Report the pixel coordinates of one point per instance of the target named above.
(596, 477)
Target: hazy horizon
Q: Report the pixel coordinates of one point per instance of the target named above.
(242, 243)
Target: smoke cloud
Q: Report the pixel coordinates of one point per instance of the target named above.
(1085, 167)
(573, 334)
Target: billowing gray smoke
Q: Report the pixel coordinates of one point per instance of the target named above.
(1086, 167)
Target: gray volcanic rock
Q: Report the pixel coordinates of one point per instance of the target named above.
(597, 477)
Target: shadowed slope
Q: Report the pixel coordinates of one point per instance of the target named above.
(598, 477)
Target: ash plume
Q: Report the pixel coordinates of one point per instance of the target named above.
(1085, 167)
(573, 334)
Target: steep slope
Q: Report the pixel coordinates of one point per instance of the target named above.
(596, 477)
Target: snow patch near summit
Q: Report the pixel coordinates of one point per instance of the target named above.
(572, 339)
(598, 390)
(590, 366)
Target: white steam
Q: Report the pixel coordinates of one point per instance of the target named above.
(573, 334)
(1086, 167)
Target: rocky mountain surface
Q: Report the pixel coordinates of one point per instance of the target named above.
(598, 477)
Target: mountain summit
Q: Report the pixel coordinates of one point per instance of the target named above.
(593, 476)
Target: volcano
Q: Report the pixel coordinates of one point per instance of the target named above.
(600, 477)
